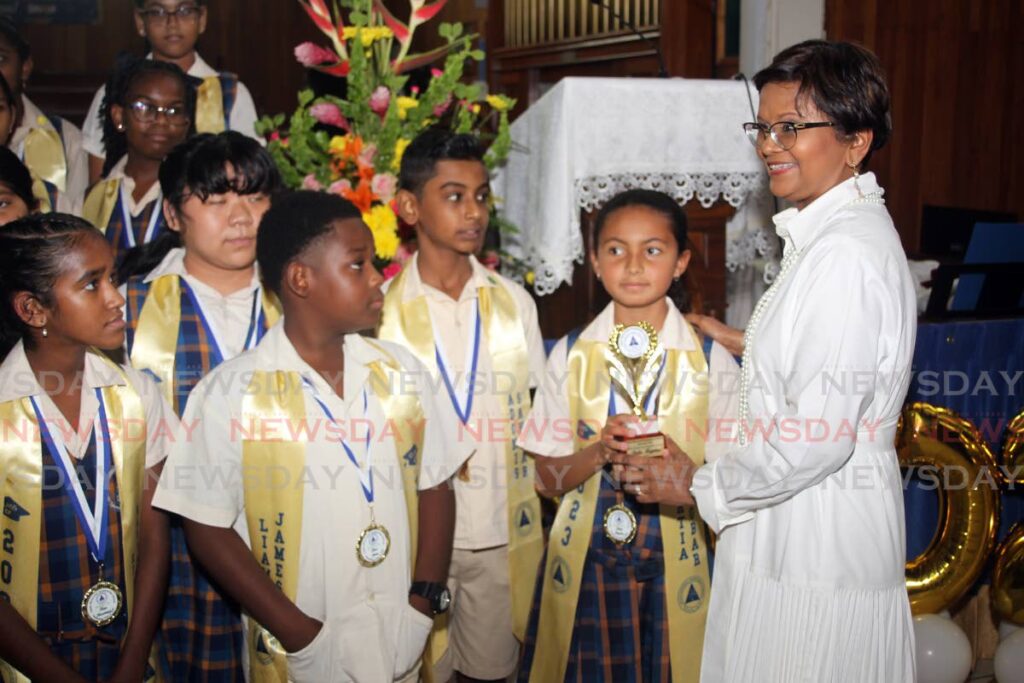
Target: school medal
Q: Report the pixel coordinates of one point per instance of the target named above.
(102, 603)
(620, 524)
(373, 546)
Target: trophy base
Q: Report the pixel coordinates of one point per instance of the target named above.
(646, 445)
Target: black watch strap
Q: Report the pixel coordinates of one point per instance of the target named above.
(435, 593)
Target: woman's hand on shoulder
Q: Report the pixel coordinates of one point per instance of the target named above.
(729, 337)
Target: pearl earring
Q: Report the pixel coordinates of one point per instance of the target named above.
(45, 333)
(856, 178)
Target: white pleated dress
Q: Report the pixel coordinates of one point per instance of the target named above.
(808, 580)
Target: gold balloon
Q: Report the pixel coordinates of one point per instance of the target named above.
(949, 448)
(1008, 576)
(1013, 451)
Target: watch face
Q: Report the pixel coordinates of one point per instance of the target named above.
(444, 600)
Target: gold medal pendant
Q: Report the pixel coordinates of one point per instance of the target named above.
(373, 546)
(620, 524)
(102, 604)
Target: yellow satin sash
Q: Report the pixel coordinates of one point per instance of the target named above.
(408, 323)
(274, 513)
(156, 333)
(682, 415)
(21, 491)
(45, 158)
(210, 106)
(100, 203)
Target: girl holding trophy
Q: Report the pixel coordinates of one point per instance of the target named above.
(624, 585)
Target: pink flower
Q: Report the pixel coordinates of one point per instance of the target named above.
(368, 154)
(310, 54)
(329, 114)
(311, 183)
(403, 253)
(415, 90)
(384, 186)
(340, 186)
(436, 73)
(440, 109)
(490, 260)
(380, 99)
(390, 270)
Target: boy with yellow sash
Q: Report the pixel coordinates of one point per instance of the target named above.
(477, 332)
(172, 28)
(49, 146)
(311, 459)
(83, 560)
(624, 587)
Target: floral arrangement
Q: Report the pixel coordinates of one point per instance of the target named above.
(353, 145)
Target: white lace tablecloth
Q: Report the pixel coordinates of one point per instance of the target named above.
(589, 138)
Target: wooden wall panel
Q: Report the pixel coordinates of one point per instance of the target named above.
(954, 70)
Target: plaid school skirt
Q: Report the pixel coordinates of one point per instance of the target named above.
(620, 630)
(200, 637)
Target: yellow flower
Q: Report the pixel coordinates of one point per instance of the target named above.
(530, 277)
(338, 145)
(367, 35)
(404, 105)
(384, 225)
(475, 109)
(499, 102)
(400, 146)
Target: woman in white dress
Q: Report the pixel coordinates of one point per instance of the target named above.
(809, 576)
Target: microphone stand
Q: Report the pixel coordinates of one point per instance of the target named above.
(662, 71)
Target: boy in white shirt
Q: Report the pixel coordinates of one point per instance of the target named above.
(311, 459)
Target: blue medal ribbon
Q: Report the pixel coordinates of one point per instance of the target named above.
(463, 411)
(365, 478)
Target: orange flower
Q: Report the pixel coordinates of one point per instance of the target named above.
(362, 196)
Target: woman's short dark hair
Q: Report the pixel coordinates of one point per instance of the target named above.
(845, 81)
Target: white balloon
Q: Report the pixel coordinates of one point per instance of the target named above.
(1009, 661)
(943, 651)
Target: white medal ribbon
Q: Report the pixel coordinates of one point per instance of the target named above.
(464, 407)
(126, 217)
(94, 520)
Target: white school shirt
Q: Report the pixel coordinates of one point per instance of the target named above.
(17, 381)
(809, 572)
(481, 518)
(365, 609)
(77, 179)
(128, 183)
(549, 431)
(242, 117)
(229, 314)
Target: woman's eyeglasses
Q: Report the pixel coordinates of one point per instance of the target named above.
(782, 133)
(146, 112)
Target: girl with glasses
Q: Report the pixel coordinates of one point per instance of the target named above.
(147, 112)
(171, 29)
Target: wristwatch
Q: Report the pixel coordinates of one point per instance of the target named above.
(436, 593)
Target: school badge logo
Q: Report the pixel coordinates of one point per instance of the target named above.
(584, 431)
(523, 519)
(561, 575)
(12, 510)
(691, 594)
(265, 644)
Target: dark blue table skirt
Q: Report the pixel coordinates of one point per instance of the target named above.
(974, 368)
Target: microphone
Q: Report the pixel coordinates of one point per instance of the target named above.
(662, 71)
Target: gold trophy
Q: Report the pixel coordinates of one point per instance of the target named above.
(634, 359)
